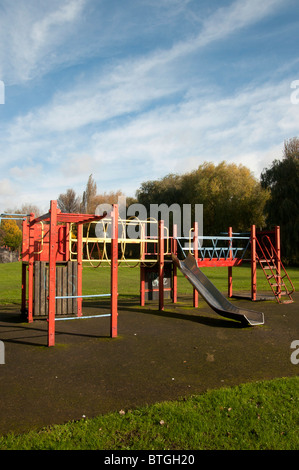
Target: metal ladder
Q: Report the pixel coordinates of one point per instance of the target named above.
(274, 270)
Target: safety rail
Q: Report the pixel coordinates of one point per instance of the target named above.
(214, 251)
(82, 317)
(7, 216)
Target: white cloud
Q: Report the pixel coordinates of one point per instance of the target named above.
(6, 188)
(151, 143)
(30, 34)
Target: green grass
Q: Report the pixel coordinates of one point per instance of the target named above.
(258, 416)
(98, 281)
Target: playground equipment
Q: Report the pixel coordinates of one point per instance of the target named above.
(213, 297)
(47, 239)
(56, 245)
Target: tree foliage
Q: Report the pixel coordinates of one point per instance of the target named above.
(282, 179)
(10, 234)
(230, 194)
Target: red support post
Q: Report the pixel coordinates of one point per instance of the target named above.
(80, 268)
(253, 262)
(114, 271)
(31, 268)
(67, 241)
(24, 288)
(174, 267)
(230, 268)
(161, 265)
(142, 286)
(52, 272)
(142, 268)
(195, 251)
(278, 260)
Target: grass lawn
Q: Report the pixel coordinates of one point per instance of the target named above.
(97, 281)
(257, 416)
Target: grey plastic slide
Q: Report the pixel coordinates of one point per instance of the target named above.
(213, 296)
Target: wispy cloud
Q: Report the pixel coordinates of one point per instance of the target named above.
(30, 34)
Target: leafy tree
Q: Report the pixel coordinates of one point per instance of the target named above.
(10, 234)
(282, 179)
(230, 194)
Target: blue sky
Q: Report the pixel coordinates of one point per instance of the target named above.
(130, 91)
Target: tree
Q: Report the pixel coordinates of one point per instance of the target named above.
(10, 234)
(29, 209)
(107, 198)
(88, 204)
(291, 148)
(69, 202)
(282, 179)
(230, 194)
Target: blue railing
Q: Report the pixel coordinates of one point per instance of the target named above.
(215, 251)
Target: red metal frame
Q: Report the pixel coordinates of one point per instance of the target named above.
(195, 254)
(174, 266)
(49, 242)
(230, 269)
(253, 262)
(161, 265)
(114, 272)
(52, 273)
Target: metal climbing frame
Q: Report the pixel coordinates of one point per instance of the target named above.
(45, 239)
(212, 251)
(51, 238)
(96, 248)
